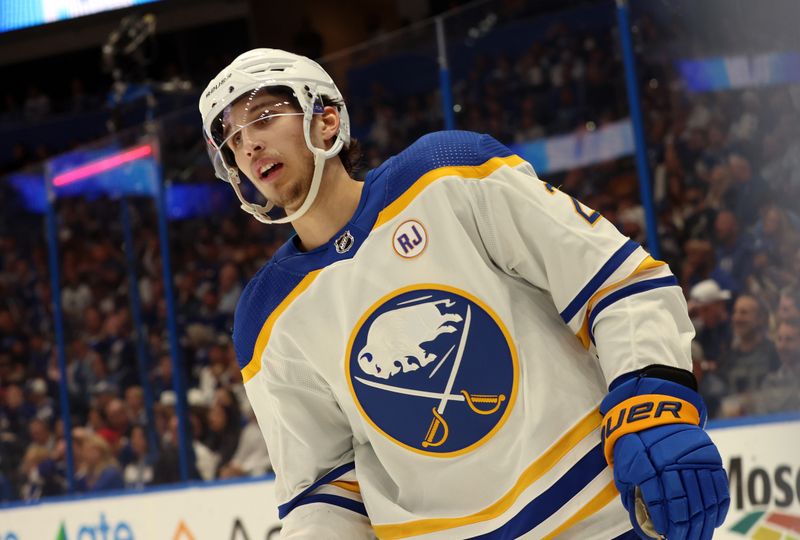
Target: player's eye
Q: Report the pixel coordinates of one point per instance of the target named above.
(236, 140)
(263, 121)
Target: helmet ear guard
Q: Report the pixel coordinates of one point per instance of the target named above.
(257, 70)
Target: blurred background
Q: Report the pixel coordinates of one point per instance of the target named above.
(122, 257)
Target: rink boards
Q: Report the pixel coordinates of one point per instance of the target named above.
(762, 459)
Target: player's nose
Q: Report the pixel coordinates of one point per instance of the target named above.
(251, 142)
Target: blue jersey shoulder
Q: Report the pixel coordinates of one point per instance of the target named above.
(434, 151)
(262, 295)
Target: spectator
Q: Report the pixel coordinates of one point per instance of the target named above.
(40, 401)
(139, 472)
(166, 468)
(41, 435)
(100, 378)
(39, 478)
(251, 457)
(765, 279)
(709, 312)
(134, 405)
(230, 288)
(102, 472)
(216, 374)
(789, 304)
(95, 421)
(117, 349)
(79, 368)
(116, 430)
(700, 265)
(102, 394)
(732, 250)
(752, 354)
(699, 216)
(708, 308)
(206, 460)
(749, 193)
(780, 390)
(162, 376)
(224, 429)
(776, 233)
(76, 295)
(92, 331)
(16, 412)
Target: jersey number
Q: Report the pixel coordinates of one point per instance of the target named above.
(591, 219)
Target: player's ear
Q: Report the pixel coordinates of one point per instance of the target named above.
(329, 125)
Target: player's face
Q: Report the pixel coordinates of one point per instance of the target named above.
(270, 149)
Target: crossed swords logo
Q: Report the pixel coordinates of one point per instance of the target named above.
(438, 421)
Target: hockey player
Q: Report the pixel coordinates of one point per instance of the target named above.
(452, 348)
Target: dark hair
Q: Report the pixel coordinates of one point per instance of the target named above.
(351, 154)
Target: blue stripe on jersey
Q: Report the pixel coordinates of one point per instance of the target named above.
(335, 500)
(635, 288)
(599, 278)
(287, 507)
(630, 535)
(556, 496)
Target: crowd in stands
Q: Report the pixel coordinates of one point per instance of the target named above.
(117, 442)
(726, 181)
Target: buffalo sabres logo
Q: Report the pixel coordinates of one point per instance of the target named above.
(433, 369)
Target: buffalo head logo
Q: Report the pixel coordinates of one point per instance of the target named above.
(397, 339)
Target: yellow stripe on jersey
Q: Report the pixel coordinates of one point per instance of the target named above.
(598, 502)
(254, 365)
(349, 486)
(648, 264)
(535, 470)
(466, 171)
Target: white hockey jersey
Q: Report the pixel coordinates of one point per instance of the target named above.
(435, 370)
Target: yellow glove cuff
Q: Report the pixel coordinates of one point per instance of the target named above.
(643, 412)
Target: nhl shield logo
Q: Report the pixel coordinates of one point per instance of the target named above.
(433, 369)
(344, 242)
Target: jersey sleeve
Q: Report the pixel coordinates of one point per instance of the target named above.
(616, 299)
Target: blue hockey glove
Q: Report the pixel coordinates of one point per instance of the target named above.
(666, 468)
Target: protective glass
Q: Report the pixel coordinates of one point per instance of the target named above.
(252, 111)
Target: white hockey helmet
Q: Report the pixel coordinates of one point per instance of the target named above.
(245, 78)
